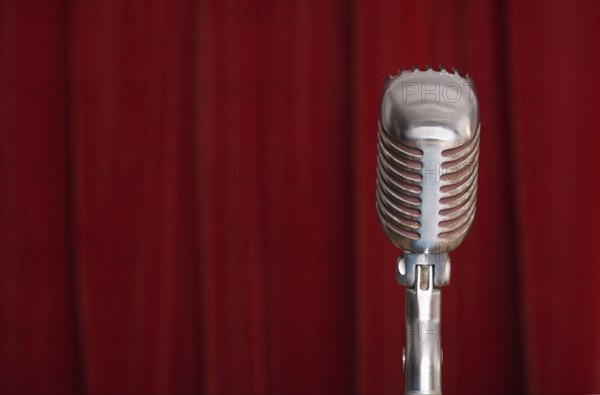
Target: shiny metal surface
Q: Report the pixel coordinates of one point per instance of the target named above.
(423, 365)
(428, 147)
(426, 192)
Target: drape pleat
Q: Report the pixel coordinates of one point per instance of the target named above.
(38, 291)
(187, 197)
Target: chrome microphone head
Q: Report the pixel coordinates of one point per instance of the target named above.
(428, 148)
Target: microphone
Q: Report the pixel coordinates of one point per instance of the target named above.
(426, 190)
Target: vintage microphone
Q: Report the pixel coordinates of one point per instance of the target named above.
(427, 152)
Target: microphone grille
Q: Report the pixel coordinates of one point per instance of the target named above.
(398, 193)
(458, 188)
(427, 152)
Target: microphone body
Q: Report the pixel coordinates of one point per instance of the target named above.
(426, 191)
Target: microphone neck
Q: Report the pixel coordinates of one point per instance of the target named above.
(407, 268)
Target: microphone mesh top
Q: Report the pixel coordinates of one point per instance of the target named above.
(427, 152)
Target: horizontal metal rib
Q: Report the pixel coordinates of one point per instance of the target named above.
(397, 202)
(396, 183)
(409, 177)
(457, 164)
(460, 198)
(457, 211)
(458, 187)
(398, 186)
(453, 196)
(399, 218)
(456, 233)
(463, 150)
(403, 163)
(457, 222)
(390, 224)
(403, 149)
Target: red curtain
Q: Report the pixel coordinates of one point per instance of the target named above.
(187, 197)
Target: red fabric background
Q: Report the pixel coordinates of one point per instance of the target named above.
(187, 197)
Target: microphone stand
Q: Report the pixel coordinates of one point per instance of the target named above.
(423, 275)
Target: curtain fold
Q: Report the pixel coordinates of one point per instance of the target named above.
(187, 197)
(37, 284)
